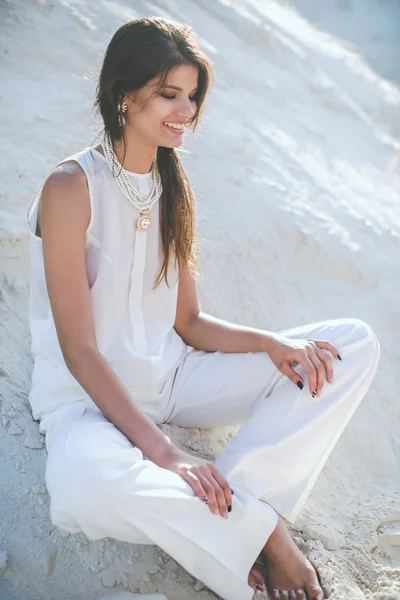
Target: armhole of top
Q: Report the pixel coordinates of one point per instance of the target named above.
(33, 208)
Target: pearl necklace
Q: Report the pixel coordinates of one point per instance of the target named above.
(144, 205)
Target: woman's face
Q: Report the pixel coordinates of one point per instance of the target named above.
(159, 117)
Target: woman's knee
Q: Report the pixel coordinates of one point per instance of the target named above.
(368, 335)
(75, 494)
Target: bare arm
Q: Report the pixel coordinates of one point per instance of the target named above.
(64, 217)
(204, 332)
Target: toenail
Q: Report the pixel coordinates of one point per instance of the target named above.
(285, 592)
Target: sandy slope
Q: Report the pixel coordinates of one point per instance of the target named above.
(298, 186)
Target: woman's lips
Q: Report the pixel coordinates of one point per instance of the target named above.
(174, 130)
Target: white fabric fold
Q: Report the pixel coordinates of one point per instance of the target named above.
(135, 293)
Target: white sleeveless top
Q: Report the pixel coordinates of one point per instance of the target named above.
(133, 322)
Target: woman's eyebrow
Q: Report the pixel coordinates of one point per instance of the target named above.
(174, 87)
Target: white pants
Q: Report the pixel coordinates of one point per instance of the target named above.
(100, 484)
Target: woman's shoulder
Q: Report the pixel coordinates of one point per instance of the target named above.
(64, 187)
(68, 176)
(75, 169)
(66, 190)
(74, 176)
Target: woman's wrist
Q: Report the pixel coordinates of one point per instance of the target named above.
(267, 340)
(163, 452)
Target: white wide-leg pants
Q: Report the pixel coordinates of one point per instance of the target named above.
(99, 482)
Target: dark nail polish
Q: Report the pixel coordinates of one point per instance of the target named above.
(232, 492)
(314, 394)
(300, 385)
(339, 357)
(230, 508)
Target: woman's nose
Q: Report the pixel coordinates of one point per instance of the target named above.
(186, 109)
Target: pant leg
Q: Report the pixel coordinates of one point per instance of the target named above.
(216, 389)
(100, 484)
(288, 435)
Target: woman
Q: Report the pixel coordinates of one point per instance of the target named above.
(113, 309)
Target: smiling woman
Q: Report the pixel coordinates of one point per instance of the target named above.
(113, 311)
(166, 59)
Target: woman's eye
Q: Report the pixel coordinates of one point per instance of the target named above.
(192, 99)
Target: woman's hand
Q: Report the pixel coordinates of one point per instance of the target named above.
(315, 356)
(203, 477)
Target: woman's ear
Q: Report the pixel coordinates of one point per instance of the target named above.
(128, 99)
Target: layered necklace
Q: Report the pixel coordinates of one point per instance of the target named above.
(143, 205)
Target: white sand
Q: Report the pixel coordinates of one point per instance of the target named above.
(300, 221)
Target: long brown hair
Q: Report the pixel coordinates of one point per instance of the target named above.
(139, 51)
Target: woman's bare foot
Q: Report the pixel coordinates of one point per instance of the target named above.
(289, 573)
(256, 576)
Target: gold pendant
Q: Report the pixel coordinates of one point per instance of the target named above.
(144, 221)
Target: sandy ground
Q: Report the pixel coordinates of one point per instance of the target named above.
(298, 204)
(376, 34)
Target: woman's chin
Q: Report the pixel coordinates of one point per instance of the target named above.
(170, 145)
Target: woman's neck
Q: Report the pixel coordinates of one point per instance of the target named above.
(139, 156)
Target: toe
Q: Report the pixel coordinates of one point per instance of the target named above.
(276, 595)
(313, 587)
(284, 595)
(300, 595)
(256, 586)
(292, 595)
(258, 574)
(315, 592)
(256, 577)
(321, 583)
(316, 569)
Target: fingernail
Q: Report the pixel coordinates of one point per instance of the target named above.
(232, 492)
(216, 511)
(300, 385)
(339, 357)
(225, 515)
(205, 499)
(258, 587)
(314, 394)
(230, 508)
